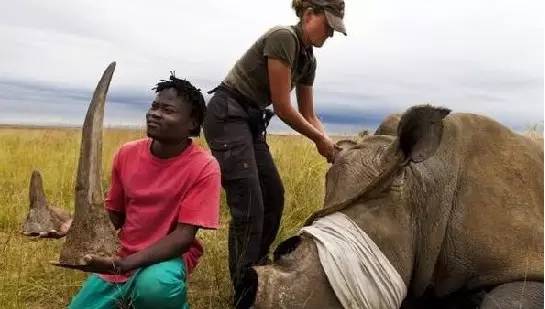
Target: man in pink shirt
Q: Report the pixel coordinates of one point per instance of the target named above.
(163, 189)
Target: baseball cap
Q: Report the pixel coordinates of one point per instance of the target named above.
(334, 13)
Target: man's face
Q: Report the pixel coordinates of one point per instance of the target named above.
(169, 117)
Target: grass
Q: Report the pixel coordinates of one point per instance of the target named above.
(534, 131)
(27, 280)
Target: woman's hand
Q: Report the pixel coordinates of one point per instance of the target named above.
(326, 147)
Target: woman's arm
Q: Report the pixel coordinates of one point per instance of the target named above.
(305, 102)
(280, 87)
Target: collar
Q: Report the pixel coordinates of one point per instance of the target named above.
(306, 51)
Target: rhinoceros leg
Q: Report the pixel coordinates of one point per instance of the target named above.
(42, 219)
(91, 231)
(515, 295)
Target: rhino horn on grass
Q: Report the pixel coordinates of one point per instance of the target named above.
(41, 218)
(91, 231)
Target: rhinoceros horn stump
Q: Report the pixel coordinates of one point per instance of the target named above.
(41, 218)
(91, 231)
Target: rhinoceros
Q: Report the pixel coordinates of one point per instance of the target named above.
(454, 202)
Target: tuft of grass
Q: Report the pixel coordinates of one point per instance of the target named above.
(534, 131)
(27, 280)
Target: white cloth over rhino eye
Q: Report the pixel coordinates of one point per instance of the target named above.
(360, 274)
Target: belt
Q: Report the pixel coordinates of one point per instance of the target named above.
(258, 118)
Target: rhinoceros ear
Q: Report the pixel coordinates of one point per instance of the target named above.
(420, 130)
(345, 144)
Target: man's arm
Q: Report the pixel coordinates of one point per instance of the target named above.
(305, 103)
(173, 245)
(117, 218)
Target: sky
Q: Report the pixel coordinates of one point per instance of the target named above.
(471, 56)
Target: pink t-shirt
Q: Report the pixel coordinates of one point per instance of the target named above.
(156, 194)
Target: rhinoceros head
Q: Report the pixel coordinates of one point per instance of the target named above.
(368, 167)
(363, 182)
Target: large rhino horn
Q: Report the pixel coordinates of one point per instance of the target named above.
(91, 231)
(90, 158)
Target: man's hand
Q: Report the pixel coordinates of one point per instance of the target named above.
(103, 265)
(98, 264)
(327, 148)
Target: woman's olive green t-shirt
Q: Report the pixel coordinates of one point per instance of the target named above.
(249, 76)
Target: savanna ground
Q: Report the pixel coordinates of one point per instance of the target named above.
(27, 280)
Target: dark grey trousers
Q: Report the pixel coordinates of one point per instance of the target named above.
(254, 190)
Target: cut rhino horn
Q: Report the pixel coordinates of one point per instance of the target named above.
(36, 194)
(91, 231)
(39, 218)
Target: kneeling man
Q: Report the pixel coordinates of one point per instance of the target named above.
(163, 189)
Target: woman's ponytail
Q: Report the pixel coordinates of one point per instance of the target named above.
(299, 6)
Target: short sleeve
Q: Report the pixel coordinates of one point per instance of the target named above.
(281, 45)
(308, 78)
(115, 198)
(200, 206)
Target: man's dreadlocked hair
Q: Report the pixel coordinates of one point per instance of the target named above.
(190, 94)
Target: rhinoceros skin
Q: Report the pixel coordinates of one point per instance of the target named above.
(454, 201)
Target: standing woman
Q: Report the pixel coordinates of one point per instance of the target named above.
(237, 117)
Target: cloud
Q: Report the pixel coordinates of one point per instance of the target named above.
(480, 57)
(30, 102)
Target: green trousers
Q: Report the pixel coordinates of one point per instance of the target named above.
(161, 285)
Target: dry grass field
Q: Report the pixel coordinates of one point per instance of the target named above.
(27, 280)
